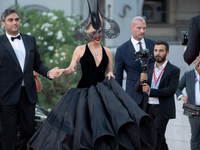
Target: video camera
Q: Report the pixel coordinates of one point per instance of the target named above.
(144, 56)
(184, 37)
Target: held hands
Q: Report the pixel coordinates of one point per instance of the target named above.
(56, 72)
(60, 71)
(53, 73)
(109, 75)
(184, 99)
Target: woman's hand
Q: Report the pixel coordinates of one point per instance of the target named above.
(109, 75)
(60, 72)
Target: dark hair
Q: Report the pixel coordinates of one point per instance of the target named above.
(163, 43)
(7, 12)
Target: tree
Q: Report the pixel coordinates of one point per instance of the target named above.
(54, 35)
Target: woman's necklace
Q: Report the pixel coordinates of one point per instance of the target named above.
(95, 51)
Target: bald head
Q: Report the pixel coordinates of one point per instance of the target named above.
(138, 28)
(138, 18)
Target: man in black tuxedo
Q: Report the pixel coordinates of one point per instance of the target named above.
(159, 85)
(125, 58)
(191, 81)
(193, 45)
(18, 58)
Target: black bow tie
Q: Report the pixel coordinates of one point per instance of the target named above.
(17, 37)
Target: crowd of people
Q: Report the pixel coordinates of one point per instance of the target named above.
(97, 114)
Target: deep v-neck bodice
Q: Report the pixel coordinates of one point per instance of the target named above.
(94, 56)
(91, 73)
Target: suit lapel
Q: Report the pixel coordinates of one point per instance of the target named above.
(131, 48)
(132, 51)
(165, 73)
(150, 74)
(27, 48)
(10, 49)
(147, 43)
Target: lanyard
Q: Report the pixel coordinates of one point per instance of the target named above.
(154, 76)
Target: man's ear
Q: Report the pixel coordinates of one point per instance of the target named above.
(3, 23)
(131, 28)
(167, 53)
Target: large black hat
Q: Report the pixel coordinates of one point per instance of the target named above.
(96, 19)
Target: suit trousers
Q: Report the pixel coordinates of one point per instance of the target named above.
(161, 123)
(17, 116)
(195, 132)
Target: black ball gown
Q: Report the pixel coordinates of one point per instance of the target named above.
(97, 115)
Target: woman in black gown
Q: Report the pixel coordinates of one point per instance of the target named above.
(98, 114)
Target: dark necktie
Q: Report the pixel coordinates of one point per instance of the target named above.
(17, 37)
(140, 46)
(143, 62)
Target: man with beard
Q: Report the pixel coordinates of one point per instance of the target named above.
(159, 85)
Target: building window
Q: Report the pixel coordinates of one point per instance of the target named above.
(153, 11)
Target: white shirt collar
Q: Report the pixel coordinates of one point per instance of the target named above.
(161, 67)
(135, 42)
(9, 36)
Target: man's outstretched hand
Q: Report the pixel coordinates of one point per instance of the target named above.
(53, 73)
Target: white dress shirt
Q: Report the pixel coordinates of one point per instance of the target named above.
(197, 88)
(136, 45)
(18, 46)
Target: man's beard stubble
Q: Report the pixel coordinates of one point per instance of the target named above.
(160, 59)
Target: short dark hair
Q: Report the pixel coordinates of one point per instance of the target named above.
(7, 12)
(163, 43)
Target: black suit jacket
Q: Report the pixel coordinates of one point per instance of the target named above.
(193, 46)
(125, 59)
(166, 90)
(11, 74)
(187, 81)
